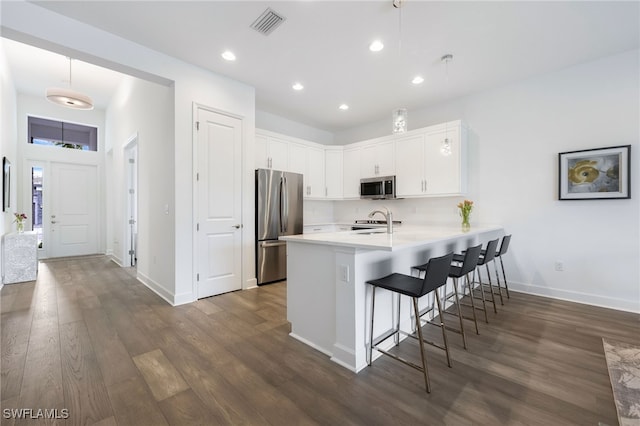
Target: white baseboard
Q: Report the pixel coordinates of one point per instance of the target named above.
(156, 288)
(251, 283)
(578, 297)
(182, 298)
(116, 260)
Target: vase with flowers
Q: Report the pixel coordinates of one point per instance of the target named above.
(19, 220)
(464, 208)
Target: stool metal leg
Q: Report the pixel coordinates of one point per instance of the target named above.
(425, 372)
(455, 290)
(473, 305)
(396, 338)
(444, 331)
(484, 301)
(495, 266)
(493, 294)
(506, 286)
(373, 305)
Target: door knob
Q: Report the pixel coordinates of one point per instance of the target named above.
(53, 221)
(237, 226)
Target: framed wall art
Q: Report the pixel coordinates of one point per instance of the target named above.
(6, 184)
(595, 174)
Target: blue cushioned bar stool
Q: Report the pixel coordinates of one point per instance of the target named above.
(489, 255)
(437, 271)
(469, 263)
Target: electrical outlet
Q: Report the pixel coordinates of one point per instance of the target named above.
(343, 272)
(559, 266)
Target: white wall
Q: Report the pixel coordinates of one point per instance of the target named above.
(31, 24)
(8, 140)
(516, 133)
(278, 124)
(143, 110)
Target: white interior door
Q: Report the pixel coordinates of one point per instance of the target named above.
(219, 203)
(74, 210)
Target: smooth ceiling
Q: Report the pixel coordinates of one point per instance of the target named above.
(324, 45)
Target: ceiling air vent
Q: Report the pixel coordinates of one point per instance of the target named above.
(267, 22)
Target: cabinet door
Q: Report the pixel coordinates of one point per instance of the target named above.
(298, 159)
(262, 156)
(279, 154)
(351, 173)
(410, 166)
(443, 172)
(385, 158)
(315, 173)
(369, 161)
(333, 175)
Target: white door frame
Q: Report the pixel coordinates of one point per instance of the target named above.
(45, 165)
(130, 151)
(195, 195)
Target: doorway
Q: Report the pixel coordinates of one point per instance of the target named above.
(218, 198)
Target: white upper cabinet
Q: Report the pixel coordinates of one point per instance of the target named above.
(351, 172)
(377, 160)
(314, 177)
(271, 153)
(425, 167)
(334, 172)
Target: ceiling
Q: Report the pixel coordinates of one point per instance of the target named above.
(324, 46)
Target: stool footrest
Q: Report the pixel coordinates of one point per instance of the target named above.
(402, 360)
(384, 336)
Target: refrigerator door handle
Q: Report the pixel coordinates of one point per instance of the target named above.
(284, 205)
(273, 244)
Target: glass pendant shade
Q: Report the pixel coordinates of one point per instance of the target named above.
(400, 120)
(445, 148)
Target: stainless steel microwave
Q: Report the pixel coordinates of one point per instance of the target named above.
(378, 188)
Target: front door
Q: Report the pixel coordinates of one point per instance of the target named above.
(219, 203)
(74, 210)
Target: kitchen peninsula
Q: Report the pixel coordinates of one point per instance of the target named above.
(328, 302)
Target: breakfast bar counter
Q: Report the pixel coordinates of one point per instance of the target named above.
(328, 301)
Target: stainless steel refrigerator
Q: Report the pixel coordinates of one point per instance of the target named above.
(278, 212)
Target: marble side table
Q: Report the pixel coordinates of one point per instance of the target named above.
(19, 257)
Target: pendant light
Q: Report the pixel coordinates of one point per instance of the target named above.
(445, 148)
(69, 98)
(399, 116)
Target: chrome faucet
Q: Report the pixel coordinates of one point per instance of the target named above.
(388, 216)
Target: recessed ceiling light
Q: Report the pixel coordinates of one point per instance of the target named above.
(417, 79)
(344, 107)
(228, 55)
(376, 46)
(297, 86)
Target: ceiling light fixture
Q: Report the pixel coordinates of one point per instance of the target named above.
(344, 107)
(228, 55)
(297, 86)
(446, 148)
(69, 98)
(376, 46)
(417, 80)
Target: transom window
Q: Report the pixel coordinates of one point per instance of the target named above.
(62, 135)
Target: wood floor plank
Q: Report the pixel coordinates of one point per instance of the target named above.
(161, 376)
(89, 337)
(85, 394)
(133, 403)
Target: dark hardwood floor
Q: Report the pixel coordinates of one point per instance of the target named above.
(86, 337)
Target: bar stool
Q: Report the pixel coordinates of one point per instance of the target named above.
(489, 255)
(504, 246)
(437, 271)
(458, 271)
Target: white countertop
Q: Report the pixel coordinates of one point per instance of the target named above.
(377, 239)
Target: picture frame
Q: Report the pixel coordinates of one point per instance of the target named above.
(595, 174)
(6, 184)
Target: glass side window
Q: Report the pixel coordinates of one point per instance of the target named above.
(60, 134)
(36, 203)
